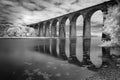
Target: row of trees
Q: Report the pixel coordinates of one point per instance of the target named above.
(112, 25)
(10, 30)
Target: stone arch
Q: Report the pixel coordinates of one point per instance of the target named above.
(75, 16)
(63, 20)
(62, 40)
(73, 39)
(54, 22)
(96, 30)
(96, 22)
(41, 29)
(54, 28)
(62, 26)
(73, 24)
(47, 29)
(91, 12)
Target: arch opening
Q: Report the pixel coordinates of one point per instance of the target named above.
(57, 28)
(97, 23)
(79, 41)
(96, 35)
(54, 28)
(62, 27)
(67, 28)
(79, 26)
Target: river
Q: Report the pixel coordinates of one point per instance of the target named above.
(21, 56)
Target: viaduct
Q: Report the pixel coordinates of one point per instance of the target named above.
(48, 28)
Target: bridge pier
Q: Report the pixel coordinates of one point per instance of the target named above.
(86, 39)
(40, 29)
(86, 51)
(86, 27)
(72, 45)
(47, 40)
(62, 36)
(53, 40)
(54, 29)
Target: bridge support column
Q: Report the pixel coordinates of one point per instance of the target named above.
(54, 29)
(38, 31)
(86, 51)
(73, 58)
(62, 36)
(53, 40)
(86, 39)
(86, 28)
(41, 34)
(47, 40)
(41, 30)
(47, 30)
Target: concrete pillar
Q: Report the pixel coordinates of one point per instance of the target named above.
(54, 47)
(47, 29)
(41, 29)
(41, 34)
(86, 28)
(73, 58)
(72, 28)
(86, 40)
(62, 29)
(54, 29)
(62, 53)
(86, 51)
(47, 40)
(38, 30)
(53, 40)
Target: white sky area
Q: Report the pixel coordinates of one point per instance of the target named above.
(33, 11)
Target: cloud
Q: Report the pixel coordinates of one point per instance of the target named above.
(32, 11)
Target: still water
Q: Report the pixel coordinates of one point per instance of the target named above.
(15, 53)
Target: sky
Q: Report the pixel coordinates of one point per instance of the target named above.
(33, 11)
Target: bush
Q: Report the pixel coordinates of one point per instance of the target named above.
(112, 24)
(9, 30)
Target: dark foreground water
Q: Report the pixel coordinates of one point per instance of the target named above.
(40, 59)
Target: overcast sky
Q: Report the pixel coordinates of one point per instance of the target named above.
(32, 11)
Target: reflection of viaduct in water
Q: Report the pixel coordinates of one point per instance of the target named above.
(49, 27)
